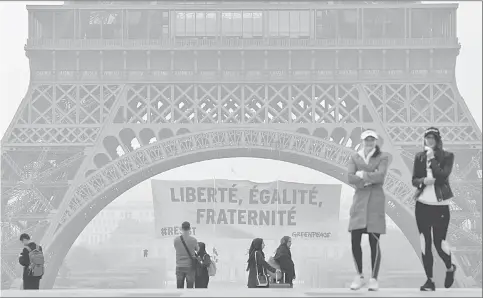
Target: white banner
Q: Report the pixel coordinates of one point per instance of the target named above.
(244, 209)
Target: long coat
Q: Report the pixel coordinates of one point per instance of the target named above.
(202, 277)
(263, 267)
(368, 210)
(283, 257)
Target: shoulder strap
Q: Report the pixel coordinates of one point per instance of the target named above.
(185, 246)
(256, 264)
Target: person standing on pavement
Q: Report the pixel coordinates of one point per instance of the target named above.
(366, 172)
(186, 265)
(431, 171)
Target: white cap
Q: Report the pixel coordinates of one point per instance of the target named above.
(369, 133)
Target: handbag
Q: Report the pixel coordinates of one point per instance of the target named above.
(279, 284)
(194, 260)
(272, 262)
(262, 279)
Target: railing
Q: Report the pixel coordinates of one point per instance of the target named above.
(236, 75)
(235, 43)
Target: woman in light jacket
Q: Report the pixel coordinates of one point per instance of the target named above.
(366, 172)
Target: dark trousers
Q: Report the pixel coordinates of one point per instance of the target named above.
(356, 237)
(31, 283)
(183, 274)
(436, 219)
(202, 281)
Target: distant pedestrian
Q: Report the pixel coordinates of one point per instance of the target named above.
(145, 252)
(283, 257)
(202, 277)
(366, 171)
(431, 171)
(257, 266)
(186, 262)
(32, 260)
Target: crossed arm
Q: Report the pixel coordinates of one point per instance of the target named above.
(360, 178)
(352, 176)
(378, 176)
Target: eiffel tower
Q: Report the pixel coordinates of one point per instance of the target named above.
(120, 92)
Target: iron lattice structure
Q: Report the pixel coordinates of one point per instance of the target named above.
(84, 135)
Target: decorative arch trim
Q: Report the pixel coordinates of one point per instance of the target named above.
(110, 181)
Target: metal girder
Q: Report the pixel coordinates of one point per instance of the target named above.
(10, 239)
(46, 184)
(137, 160)
(464, 249)
(83, 114)
(10, 252)
(407, 108)
(7, 269)
(30, 216)
(13, 165)
(63, 165)
(470, 235)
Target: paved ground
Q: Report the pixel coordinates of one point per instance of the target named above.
(243, 292)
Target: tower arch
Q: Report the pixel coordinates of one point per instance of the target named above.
(103, 186)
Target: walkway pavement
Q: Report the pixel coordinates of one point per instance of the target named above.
(245, 293)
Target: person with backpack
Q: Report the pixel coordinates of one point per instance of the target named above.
(185, 246)
(202, 275)
(32, 260)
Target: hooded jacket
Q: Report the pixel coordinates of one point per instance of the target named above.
(283, 257)
(24, 260)
(441, 166)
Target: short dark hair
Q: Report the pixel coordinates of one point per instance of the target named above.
(24, 236)
(186, 226)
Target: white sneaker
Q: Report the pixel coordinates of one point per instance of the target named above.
(373, 285)
(358, 283)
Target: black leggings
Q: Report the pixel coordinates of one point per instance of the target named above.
(436, 219)
(356, 236)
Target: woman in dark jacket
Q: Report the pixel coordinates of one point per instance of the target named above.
(202, 277)
(432, 168)
(283, 257)
(257, 257)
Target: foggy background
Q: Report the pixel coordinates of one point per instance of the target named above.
(113, 242)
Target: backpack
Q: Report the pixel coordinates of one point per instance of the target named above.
(36, 267)
(212, 268)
